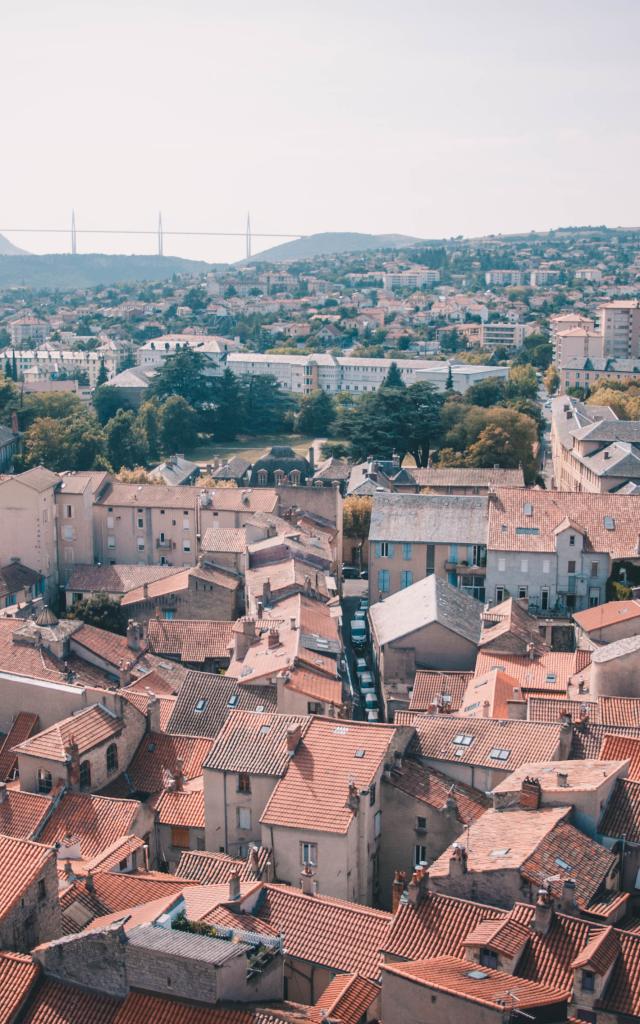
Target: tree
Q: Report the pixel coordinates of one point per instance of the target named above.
(103, 376)
(178, 425)
(226, 417)
(317, 413)
(196, 299)
(266, 405)
(356, 516)
(522, 382)
(107, 401)
(73, 442)
(9, 397)
(54, 404)
(393, 378)
(486, 392)
(449, 383)
(494, 447)
(334, 450)
(424, 424)
(184, 374)
(126, 443)
(101, 611)
(149, 421)
(552, 379)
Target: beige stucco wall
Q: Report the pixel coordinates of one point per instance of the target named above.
(165, 851)
(29, 528)
(221, 802)
(405, 1002)
(122, 524)
(75, 535)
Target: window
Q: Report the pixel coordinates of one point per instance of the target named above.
(294, 477)
(185, 521)
(588, 981)
(594, 596)
(571, 567)
(201, 704)
(383, 581)
(186, 545)
(499, 594)
(488, 958)
(68, 533)
(384, 550)
(546, 565)
(244, 818)
(522, 593)
(262, 477)
(68, 512)
(140, 543)
(572, 540)
(406, 551)
(594, 568)
(377, 825)
(309, 854)
(112, 758)
(431, 559)
(498, 754)
(110, 522)
(406, 578)
(169, 613)
(314, 707)
(544, 598)
(85, 775)
(421, 824)
(180, 837)
(140, 522)
(502, 565)
(244, 783)
(372, 794)
(463, 739)
(42, 889)
(111, 542)
(419, 855)
(524, 565)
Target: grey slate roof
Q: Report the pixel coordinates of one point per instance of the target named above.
(15, 577)
(429, 518)
(217, 692)
(176, 470)
(185, 944)
(430, 600)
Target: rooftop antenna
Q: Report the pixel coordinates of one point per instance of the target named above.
(74, 242)
(248, 236)
(160, 236)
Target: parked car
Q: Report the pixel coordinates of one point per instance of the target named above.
(361, 615)
(373, 715)
(361, 665)
(364, 605)
(350, 572)
(371, 702)
(358, 633)
(364, 575)
(365, 679)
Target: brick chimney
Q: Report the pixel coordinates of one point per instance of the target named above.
(397, 889)
(234, 886)
(457, 861)
(353, 798)
(273, 639)
(530, 794)
(418, 886)
(124, 673)
(450, 809)
(244, 634)
(294, 733)
(543, 913)
(568, 897)
(134, 635)
(178, 776)
(153, 713)
(307, 883)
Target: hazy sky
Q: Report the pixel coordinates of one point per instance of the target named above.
(425, 117)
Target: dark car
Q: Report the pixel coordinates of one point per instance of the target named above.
(349, 572)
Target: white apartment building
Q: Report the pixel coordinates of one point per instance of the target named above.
(48, 364)
(543, 276)
(504, 277)
(322, 371)
(410, 278)
(28, 330)
(588, 274)
(215, 348)
(620, 328)
(508, 335)
(576, 343)
(463, 375)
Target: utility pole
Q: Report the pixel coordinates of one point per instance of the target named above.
(160, 238)
(74, 242)
(248, 236)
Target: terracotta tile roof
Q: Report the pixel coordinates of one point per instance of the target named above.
(617, 747)
(622, 994)
(587, 739)
(607, 614)
(55, 1003)
(332, 754)
(23, 659)
(550, 709)
(524, 741)
(21, 861)
(154, 681)
(112, 856)
(221, 539)
(622, 813)
(140, 1007)
(550, 671)
(111, 647)
(180, 808)
(600, 952)
(88, 729)
(97, 821)
(430, 687)
(329, 932)
(283, 576)
(623, 711)
(348, 997)
(18, 974)
(315, 686)
(116, 579)
(552, 510)
(158, 588)
(509, 629)
(437, 926)
(468, 981)
(140, 700)
(589, 863)
(112, 892)
(148, 496)
(488, 695)
(580, 776)
(23, 726)
(190, 640)
(213, 868)
(548, 958)
(22, 812)
(433, 787)
(133, 917)
(254, 742)
(206, 700)
(505, 936)
(155, 763)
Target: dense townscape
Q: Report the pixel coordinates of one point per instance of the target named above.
(320, 638)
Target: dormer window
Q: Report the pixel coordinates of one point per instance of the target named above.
(588, 981)
(572, 540)
(489, 959)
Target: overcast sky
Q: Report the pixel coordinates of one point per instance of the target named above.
(413, 116)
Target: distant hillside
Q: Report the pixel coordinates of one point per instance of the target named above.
(62, 270)
(7, 248)
(329, 243)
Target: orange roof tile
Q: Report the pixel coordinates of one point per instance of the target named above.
(18, 974)
(607, 614)
(435, 687)
(21, 861)
(112, 856)
(88, 729)
(181, 809)
(112, 892)
(155, 762)
(314, 791)
(600, 952)
(212, 868)
(23, 659)
(140, 1007)
(523, 741)
(55, 1003)
(22, 812)
(348, 997)
(622, 813)
(140, 700)
(466, 980)
(433, 788)
(97, 821)
(504, 936)
(315, 686)
(589, 863)
(190, 640)
(550, 671)
(111, 647)
(617, 747)
(254, 742)
(23, 726)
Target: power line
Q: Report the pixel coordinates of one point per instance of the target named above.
(145, 231)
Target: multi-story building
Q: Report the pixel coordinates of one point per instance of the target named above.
(416, 535)
(507, 335)
(576, 343)
(48, 363)
(557, 549)
(153, 353)
(147, 524)
(504, 277)
(410, 278)
(620, 328)
(27, 330)
(543, 276)
(28, 517)
(582, 372)
(592, 449)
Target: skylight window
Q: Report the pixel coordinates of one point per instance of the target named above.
(477, 975)
(552, 677)
(233, 700)
(563, 864)
(498, 754)
(359, 752)
(527, 530)
(201, 705)
(528, 509)
(264, 729)
(609, 523)
(260, 707)
(341, 730)
(500, 853)
(463, 739)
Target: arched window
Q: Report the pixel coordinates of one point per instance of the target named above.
(278, 476)
(112, 759)
(85, 775)
(262, 477)
(294, 477)
(45, 781)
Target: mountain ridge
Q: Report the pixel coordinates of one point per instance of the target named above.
(330, 243)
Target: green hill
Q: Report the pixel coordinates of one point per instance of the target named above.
(330, 243)
(63, 270)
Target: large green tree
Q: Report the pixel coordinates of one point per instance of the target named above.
(73, 442)
(102, 611)
(178, 425)
(149, 422)
(107, 401)
(184, 374)
(317, 413)
(266, 405)
(126, 442)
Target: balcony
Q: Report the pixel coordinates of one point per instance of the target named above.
(464, 569)
(165, 545)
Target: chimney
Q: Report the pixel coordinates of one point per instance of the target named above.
(307, 883)
(307, 585)
(530, 794)
(244, 633)
(457, 861)
(293, 622)
(543, 913)
(397, 889)
(353, 798)
(134, 635)
(178, 776)
(259, 608)
(563, 779)
(312, 457)
(266, 593)
(450, 808)
(3, 792)
(418, 886)
(153, 713)
(124, 673)
(234, 886)
(531, 654)
(294, 732)
(254, 860)
(88, 882)
(565, 720)
(273, 639)
(145, 595)
(568, 897)
(73, 760)
(486, 708)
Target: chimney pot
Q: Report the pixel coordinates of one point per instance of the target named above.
(563, 779)
(234, 886)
